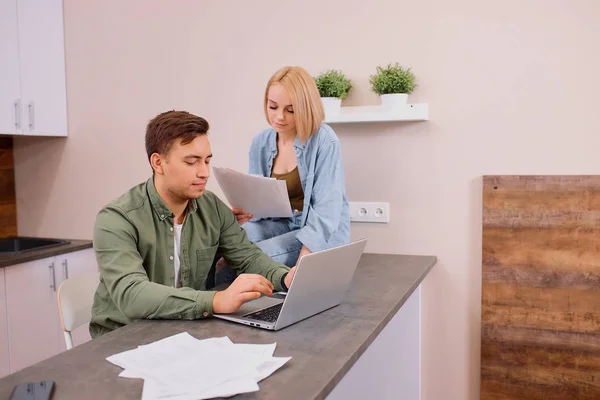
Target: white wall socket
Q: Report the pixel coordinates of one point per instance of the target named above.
(369, 212)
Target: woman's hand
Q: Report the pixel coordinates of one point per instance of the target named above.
(241, 215)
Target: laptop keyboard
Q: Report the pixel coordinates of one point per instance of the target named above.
(269, 314)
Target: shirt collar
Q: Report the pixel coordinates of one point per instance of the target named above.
(159, 206)
(272, 141)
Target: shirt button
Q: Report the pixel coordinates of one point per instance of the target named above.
(205, 314)
(162, 215)
(171, 229)
(179, 316)
(171, 258)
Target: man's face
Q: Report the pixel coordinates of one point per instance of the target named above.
(186, 168)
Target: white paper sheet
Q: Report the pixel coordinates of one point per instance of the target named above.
(152, 390)
(181, 367)
(258, 195)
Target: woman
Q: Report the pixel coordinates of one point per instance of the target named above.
(305, 152)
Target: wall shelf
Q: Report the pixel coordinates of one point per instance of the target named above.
(412, 112)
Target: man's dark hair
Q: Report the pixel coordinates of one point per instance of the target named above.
(164, 129)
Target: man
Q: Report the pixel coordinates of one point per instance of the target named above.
(155, 244)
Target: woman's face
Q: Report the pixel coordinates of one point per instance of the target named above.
(280, 110)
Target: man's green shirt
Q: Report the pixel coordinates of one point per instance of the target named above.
(135, 250)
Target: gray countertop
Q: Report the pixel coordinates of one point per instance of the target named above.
(323, 348)
(8, 259)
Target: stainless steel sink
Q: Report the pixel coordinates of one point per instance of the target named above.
(20, 244)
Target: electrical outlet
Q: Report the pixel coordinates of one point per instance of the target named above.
(369, 212)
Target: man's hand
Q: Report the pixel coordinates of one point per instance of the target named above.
(241, 215)
(289, 277)
(245, 287)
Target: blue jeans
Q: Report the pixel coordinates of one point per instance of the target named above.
(275, 237)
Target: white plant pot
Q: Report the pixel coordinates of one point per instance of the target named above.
(331, 105)
(394, 101)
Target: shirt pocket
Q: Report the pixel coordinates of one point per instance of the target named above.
(207, 254)
(204, 261)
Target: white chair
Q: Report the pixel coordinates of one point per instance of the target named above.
(75, 299)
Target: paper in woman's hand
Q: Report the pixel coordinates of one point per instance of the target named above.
(258, 195)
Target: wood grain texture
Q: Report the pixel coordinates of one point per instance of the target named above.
(540, 336)
(8, 201)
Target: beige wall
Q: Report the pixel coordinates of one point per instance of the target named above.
(512, 87)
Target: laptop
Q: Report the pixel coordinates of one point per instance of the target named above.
(320, 282)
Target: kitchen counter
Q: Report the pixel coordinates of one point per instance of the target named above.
(324, 348)
(8, 259)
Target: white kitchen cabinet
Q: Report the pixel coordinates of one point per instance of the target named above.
(78, 263)
(33, 325)
(32, 68)
(33, 318)
(10, 81)
(4, 359)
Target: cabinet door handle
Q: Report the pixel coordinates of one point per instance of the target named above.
(31, 116)
(52, 277)
(18, 114)
(66, 268)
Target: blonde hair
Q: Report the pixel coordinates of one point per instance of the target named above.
(306, 100)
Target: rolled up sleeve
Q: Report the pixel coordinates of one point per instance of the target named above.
(243, 255)
(325, 209)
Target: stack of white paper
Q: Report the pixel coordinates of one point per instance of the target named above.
(260, 196)
(181, 367)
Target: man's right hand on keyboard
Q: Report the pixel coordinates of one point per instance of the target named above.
(246, 287)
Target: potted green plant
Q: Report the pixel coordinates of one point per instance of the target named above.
(333, 87)
(393, 83)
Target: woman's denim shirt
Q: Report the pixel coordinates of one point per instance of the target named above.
(325, 219)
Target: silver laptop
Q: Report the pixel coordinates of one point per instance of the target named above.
(320, 282)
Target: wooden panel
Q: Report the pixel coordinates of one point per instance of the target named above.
(8, 201)
(540, 336)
